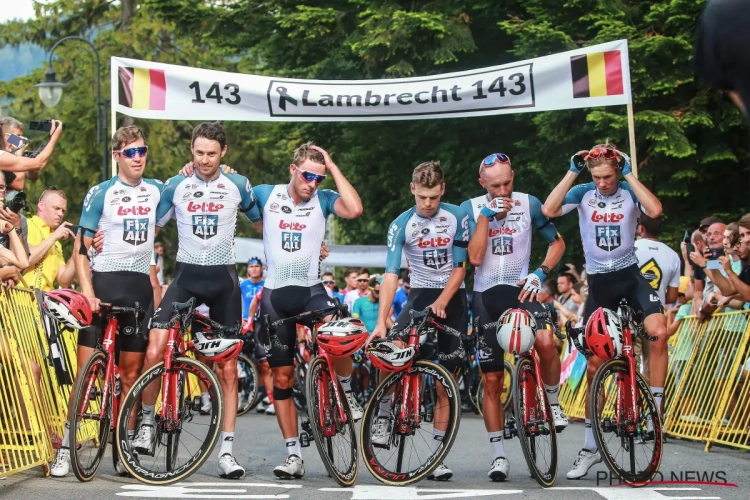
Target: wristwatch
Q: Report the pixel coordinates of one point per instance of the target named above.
(18, 231)
(544, 269)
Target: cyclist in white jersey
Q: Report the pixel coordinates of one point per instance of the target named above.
(205, 205)
(433, 236)
(294, 224)
(608, 213)
(501, 223)
(123, 209)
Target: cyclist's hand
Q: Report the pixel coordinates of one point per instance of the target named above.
(227, 169)
(532, 285)
(497, 208)
(378, 333)
(98, 241)
(187, 170)
(324, 252)
(94, 303)
(438, 309)
(578, 162)
(625, 164)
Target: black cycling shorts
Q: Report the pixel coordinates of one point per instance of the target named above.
(451, 352)
(286, 302)
(260, 350)
(608, 289)
(216, 286)
(123, 289)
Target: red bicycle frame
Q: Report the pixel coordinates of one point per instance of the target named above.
(529, 399)
(176, 346)
(627, 385)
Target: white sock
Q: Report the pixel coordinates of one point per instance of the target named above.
(658, 393)
(205, 399)
(346, 383)
(552, 391)
(292, 446)
(384, 408)
(590, 442)
(227, 440)
(66, 436)
(148, 414)
(497, 442)
(437, 439)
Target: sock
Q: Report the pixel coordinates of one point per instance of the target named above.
(658, 393)
(384, 408)
(227, 440)
(66, 436)
(590, 443)
(497, 442)
(552, 391)
(148, 414)
(292, 446)
(205, 400)
(437, 439)
(346, 383)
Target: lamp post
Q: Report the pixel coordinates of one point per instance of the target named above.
(50, 92)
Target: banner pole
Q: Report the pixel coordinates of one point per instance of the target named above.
(631, 135)
(113, 92)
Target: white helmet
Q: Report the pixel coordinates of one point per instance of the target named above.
(516, 331)
(218, 349)
(387, 356)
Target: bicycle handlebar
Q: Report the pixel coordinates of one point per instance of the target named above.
(337, 308)
(107, 308)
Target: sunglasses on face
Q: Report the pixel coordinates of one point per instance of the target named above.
(131, 152)
(491, 159)
(329, 282)
(310, 176)
(362, 280)
(407, 288)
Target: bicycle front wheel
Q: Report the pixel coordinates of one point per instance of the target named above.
(336, 441)
(631, 445)
(182, 445)
(248, 383)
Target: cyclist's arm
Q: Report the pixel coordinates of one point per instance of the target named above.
(83, 268)
(648, 201)
(672, 294)
(549, 232)
(165, 209)
(348, 205)
(392, 265)
(553, 206)
(153, 276)
(93, 206)
(478, 236)
(253, 307)
(460, 245)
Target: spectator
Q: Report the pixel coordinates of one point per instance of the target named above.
(251, 285)
(17, 219)
(159, 259)
(350, 279)
(362, 280)
(46, 229)
(731, 240)
(706, 223)
(732, 284)
(366, 308)
(12, 126)
(565, 284)
(715, 239)
(14, 258)
(14, 163)
(401, 296)
(698, 275)
(329, 283)
(571, 269)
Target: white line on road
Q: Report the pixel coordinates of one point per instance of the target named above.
(371, 492)
(205, 490)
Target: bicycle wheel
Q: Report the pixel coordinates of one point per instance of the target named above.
(632, 451)
(537, 435)
(506, 398)
(336, 441)
(91, 418)
(298, 389)
(248, 382)
(407, 455)
(193, 436)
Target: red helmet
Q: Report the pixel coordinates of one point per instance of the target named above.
(387, 356)
(342, 337)
(69, 307)
(604, 334)
(216, 349)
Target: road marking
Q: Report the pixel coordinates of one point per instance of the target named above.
(204, 490)
(371, 492)
(627, 493)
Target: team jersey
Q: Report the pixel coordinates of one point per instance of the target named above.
(608, 225)
(659, 264)
(126, 215)
(292, 235)
(432, 246)
(206, 213)
(506, 260)
(249, 291)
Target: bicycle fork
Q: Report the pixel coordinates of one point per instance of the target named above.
(534, 418)
(325, 412)
(408, 418)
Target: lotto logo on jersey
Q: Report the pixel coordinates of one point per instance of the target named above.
(502, 245)
(435, 259)
(135, 231)
(606, 217)
(204, 207)
(291, 242)
(608, 237)
(137, 210)
(502, 230)
(294, 226)
(205, 226)
(433, 242)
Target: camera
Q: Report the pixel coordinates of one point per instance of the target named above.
(41, 126)
(33, 154)
(16, 202)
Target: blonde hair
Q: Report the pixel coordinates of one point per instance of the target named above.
(305, 152)
(126, 135)
(428, 174)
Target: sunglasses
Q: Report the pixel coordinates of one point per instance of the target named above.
(309, 176)
(329, 282)
(131, 152)
(491, 159)
(362, 280)
(603, 153)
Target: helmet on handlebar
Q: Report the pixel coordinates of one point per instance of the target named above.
(217, 349)
(516, 331)
(604, 334)
(342, 337)
(387, 356)
(69, 307)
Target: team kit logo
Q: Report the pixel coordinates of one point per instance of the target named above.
(205, 226)
(135, 231)
(436, 258)
(652, 272)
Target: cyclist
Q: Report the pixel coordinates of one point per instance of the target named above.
(205, 205)
(608, 213)
(294, 223)
(124, 209)
(501, 223)
(434, 237)
(252, 291)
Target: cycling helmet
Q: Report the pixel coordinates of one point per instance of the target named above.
(604, 334)
(387, 356)
(342, 337)
(69, 307)
(516, 331)
(217, 349)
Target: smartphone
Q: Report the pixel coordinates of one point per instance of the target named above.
(714, 253)
(17, 141)
(686, 237)
(74, 229)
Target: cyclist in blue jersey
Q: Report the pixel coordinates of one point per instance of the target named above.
(252, 285)
(366, 308)
(608, 213)
(402, 295)
(433, 236)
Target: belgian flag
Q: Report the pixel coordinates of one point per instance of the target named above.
(598, 74)
(142, 88)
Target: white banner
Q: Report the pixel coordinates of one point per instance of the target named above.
(587, 77)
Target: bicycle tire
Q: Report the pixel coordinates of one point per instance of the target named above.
(325, 447)
(508, 379)
(96, 364)
(173, 439)
(526, 375)
(298, 389)
(129, 458)
(254, 387)
(620, 365)
(371, 410)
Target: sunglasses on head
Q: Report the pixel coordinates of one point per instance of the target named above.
(491, 159)
(310, 176)
(131, 152)
(603, 153)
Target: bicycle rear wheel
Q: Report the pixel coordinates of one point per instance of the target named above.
(336, 441)
(248, 383)
(537, 435)
(633, 452)
(91, 417)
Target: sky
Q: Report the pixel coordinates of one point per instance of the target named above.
(22, 9)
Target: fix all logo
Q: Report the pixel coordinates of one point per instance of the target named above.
(135, 231)
(291, 242)
(435, 259)
(137, 210)
(502, 245)
(608, 237)
(433, 242)
(206, 207)
(606, 217)
(205, 226)
(294, 226)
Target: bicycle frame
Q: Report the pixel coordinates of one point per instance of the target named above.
(627, 399)
(324, 416)
(175, 347)
(530, 416)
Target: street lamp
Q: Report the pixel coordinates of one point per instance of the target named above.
(51, 91)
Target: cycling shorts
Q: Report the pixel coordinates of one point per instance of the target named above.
(286, 302)
(216, 286)
(451, 352)
(608, 289)
(123, 289)
(260, 350)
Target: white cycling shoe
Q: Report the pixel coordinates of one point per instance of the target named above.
(354, 407)
(228, 467)
(500, 469)
(292, 468)
(61, 466)
(442, 473)
(585, 460)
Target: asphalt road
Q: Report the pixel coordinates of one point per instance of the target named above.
(259, 447)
